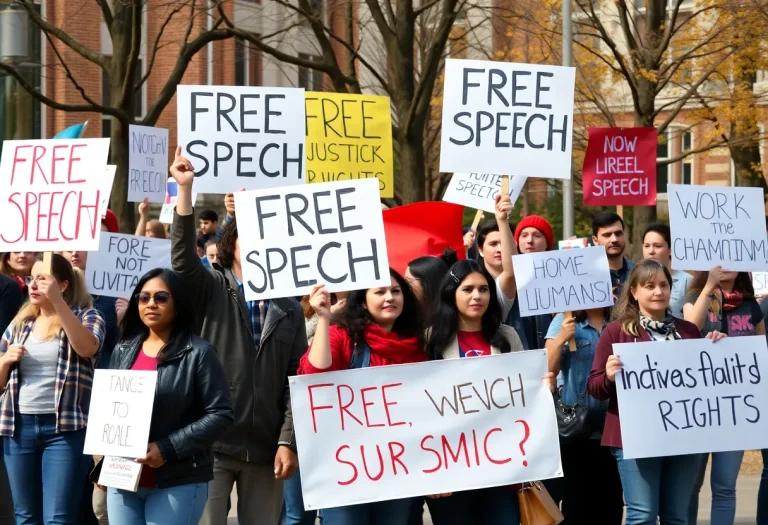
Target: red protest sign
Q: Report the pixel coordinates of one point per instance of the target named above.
(620, 167)
(50, 194)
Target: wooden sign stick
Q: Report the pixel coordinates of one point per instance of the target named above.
(572, 340)
(505, 185)
(620, 211)
(47, 260)
(476, 222)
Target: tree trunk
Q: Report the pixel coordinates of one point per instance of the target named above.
(124, 210)
(748, 167)
(642, 216)
(410, 182)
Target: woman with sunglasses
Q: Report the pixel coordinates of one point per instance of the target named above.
(46, 370)
(192, 407)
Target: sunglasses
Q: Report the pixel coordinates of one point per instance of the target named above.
(143, 298)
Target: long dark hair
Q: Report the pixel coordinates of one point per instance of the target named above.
(354, 317)
(445, 319)
(183, 321)
(743, 284)
(430, 270)
(226, 244)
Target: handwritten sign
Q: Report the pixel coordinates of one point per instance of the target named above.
(690, 396)
(349, 137)
(115, 270)
(760, 283)
(501, 114)
(479, 190)
(569, 244)
(717, 225)
(120, 413)
(106, 189)
(171, 196)
(299, 236)
(399, 431)
(620, 167)
(562, 281)
(51, 194)
(148, 163)
(242, 137)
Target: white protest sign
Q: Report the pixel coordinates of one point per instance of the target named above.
(171, 196)
(242, 137)
(562, 281)
(479, 190)
(115, 270)
(298, 236)
(120, 413)
(498, 115)
(760, 283)
(717, 225)
(569, 244)
(51, 194)
(148, 163)
(392, 432)
(106, 190)
(692, 396)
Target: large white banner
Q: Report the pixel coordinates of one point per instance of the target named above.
(393, 432)
(501, 116)
(148, 163)
(479, 190)
(692, 396)
(718, 225)
(115, 270)
(294, 237)
(562, 281)
(242, 137)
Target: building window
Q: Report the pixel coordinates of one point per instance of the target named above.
(672, 144)
(310, 79)
(248, 65)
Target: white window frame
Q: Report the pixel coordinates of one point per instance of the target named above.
(672, 132)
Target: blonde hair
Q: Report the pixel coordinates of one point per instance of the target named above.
(627, 310)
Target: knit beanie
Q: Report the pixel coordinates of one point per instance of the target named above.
(541, 224)
(110, 221)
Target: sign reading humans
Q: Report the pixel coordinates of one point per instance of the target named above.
(562, 281)
(500, 114)
(349, 137)
(620, 167)
(714, 225)
(242, 137)
(399, 431)
(50, 194)
(115, 270)
(299, 236)
(479, 190)
(148, 163)
(120, 413)
(690, 396)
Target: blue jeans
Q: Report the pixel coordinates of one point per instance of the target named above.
(762, 493)
(725, 470)
(182, 505)
(657, 487)
(293, 504)
(46, 471)
(392, 512)
(491, 506)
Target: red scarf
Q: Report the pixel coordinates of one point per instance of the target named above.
(392, 347)
(732, 300)
(22, 284)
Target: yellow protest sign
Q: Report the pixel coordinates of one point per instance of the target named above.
(349, 137)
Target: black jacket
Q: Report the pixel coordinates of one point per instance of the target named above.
(191, 410)
(11, 299)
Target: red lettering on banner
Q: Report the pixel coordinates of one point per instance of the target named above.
(36, 163)
(345, 408)
(396, 456)
(367, 404)
(312, 406)
(485, 448)
(446, 455)
(354, 468)
(387, 404)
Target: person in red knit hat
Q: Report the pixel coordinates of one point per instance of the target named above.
(534, 234)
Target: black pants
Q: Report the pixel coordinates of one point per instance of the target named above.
(591, 485)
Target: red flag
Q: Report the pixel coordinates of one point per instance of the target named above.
(424, 228)
(620, 167)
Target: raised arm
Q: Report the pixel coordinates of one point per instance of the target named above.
(141, 227)
(697, 312)
(508, 246)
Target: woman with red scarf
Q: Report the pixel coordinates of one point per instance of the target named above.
(18, 266)
(723, 301)
(378, 327)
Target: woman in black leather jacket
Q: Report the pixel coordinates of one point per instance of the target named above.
(192, 406)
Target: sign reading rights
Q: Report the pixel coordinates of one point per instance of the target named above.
(562, 281)
(718, 225)
(298, 236)
(692, 396)
(148, 163)
(242, 137)
(501, 114)
(620, 167)
(349, 137)
(51, 194)
(391, 432)
(479, 190)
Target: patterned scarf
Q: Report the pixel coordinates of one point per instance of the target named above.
(665, 327)
(732, 300)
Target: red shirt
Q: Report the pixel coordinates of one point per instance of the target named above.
(147, 364)
(473, 344)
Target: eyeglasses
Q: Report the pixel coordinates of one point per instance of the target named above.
(143, 298)
(29, 281)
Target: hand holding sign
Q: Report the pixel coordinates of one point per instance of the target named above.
(153, 458)
(713, 279)
(49, 288)
(320, 301)
(612, 367)
(144, 209)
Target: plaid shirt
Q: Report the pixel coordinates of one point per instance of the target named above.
(74, 376)
(257, 310)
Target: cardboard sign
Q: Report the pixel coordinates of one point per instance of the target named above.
(562, 281)
(500, 115)
(148, 163)
(298, 236)
(120, 473)
(120, 413)
(115, 270)
(171, 196)
(106, 190)
(349, 137)
(242, 137)
(717, 225)
(620, 167)
(392, 432)
(51, 194)
(479, 190)
(692, 396)
(760, 283)
(569, 244)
